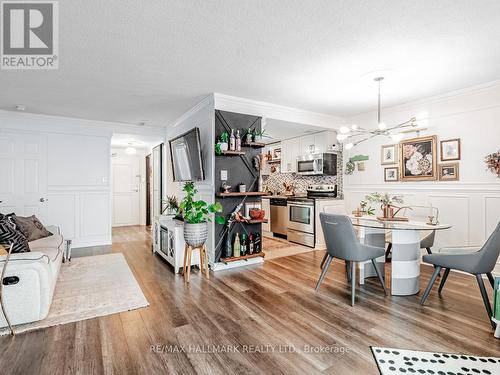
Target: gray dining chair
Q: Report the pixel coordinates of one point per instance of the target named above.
(341, 243)
(478, 263)
(420, 213)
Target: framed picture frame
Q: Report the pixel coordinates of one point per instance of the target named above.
(250, 205)
(391, 174)
(389, 154)
(418, 159)
(449, 172)
(276, 153)
(450, 149)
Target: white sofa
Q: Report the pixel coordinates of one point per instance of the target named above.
(29, 299)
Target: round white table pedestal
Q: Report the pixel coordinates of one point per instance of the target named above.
(373, 237)
(405, 269)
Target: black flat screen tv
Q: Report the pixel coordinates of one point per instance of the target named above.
(185, 153)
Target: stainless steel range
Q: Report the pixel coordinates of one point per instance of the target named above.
(322, 190)
(301, 220)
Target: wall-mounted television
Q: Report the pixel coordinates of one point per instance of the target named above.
(185, 153)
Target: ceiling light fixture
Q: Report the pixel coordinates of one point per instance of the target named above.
(130, 150)
(394, 132)
(20, 107)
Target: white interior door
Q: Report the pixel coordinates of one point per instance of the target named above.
(126, 190)
(23, 174)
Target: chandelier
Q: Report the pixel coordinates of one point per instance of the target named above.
(354, 135)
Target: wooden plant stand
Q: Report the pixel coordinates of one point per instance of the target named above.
(188, 252)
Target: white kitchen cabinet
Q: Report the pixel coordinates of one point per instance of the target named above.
(290, 149)
(307, 144)
(324, 141)
(329, 206)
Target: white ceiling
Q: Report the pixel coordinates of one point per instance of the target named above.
(131, 61)
(135, 140)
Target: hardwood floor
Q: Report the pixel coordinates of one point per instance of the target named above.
(272, 304)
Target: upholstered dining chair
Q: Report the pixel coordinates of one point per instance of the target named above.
(478, 263)
(342, 243)
(420, 213)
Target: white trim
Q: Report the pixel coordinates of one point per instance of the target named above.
(201, 105)
(239, 263)
(432, 186)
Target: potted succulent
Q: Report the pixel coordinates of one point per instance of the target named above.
(387, 202)
(257, 135)
(196, 215)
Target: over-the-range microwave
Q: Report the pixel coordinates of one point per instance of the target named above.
(317, 164)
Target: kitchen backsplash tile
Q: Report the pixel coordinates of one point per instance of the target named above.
(274, 182)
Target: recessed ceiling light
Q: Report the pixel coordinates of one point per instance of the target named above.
(20, 107)
(142, 123)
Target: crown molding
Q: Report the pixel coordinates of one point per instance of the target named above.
(207, 101)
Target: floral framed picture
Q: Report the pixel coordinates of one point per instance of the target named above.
(389, 154)
(391, 174)
(418, 159)
(450, 149)
(448, 172)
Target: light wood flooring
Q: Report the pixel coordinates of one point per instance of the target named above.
(269, 304)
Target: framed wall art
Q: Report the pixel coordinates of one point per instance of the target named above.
(450, 149)
(448, 172)
(418, 159)
(389, 154)
(391, 174)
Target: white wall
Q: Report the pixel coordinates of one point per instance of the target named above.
(78, 171)
(471, 205)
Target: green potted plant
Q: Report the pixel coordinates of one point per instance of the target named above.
(171, 205)
(249, 136)
(196, 215)
(224, 141)
(257, 135)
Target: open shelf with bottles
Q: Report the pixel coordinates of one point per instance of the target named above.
(232, 153)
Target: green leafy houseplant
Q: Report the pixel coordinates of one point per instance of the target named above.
(384, 199)
(197, 212)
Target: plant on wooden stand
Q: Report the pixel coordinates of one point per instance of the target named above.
(196, 215)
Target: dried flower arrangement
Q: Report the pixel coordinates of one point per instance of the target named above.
(493, 162)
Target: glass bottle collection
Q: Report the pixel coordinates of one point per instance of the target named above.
(242, 245)
(235, 140)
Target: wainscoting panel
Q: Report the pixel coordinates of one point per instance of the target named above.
(491, 213)
(454, 210)
(94, 214)
(62, 212)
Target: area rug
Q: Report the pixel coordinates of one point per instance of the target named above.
(277, 248)
(89, 287)
(401, 361)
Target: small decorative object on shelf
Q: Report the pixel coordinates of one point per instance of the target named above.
(493, 163)
(225, 187)
(237, 246)
(232, 141)
(249, 136)
(257, 246)
(238, 140)
(243, 247)
(242, 187)
(228, 250)
(224, 141)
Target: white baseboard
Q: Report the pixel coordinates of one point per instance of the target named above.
(239, 263)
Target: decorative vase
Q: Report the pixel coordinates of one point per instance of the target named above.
(248, 138)
(387, 211)
(242, 188)
(195, 235)
(224, 146)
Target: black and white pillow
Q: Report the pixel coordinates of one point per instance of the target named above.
(10, 235)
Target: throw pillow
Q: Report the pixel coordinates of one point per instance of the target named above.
(10, 235)
(31, 227)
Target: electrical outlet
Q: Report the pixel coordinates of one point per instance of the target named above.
(223, 175)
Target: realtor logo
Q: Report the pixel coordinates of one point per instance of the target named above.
(29, 35)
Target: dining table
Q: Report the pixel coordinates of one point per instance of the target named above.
(406, 252)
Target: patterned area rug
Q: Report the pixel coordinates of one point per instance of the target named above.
(89, 287)
(277, 248)
(400, 361)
